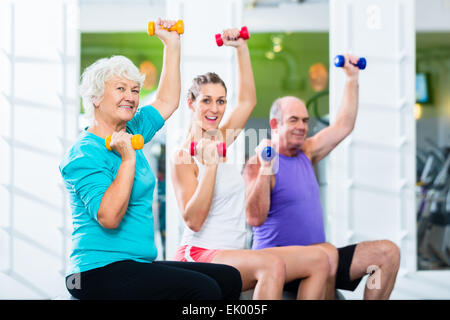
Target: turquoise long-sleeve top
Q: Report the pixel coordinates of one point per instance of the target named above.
(88, 169)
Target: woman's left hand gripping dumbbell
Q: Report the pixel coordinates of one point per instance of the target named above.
(122, 142)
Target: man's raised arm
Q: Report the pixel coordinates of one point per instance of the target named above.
(320, 145)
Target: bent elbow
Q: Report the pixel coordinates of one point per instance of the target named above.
(107, 222)
(255, 221)
(193, 227)
(192, 224)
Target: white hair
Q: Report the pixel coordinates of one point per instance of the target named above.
(93, 80)
(275, 110)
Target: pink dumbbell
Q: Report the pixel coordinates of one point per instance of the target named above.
(221, 149)
(242, 34)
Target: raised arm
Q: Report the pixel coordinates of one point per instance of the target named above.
(168, 92)
(246, 98)
(320, 145)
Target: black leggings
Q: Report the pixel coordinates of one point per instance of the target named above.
(157, 280)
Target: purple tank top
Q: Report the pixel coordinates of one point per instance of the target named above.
(295, 214)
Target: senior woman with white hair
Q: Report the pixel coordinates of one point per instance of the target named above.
(111, 191)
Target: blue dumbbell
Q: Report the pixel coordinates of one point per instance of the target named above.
(268, 153)
(339, 61)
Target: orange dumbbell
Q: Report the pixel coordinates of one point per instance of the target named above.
(137, 142)
(178, 27)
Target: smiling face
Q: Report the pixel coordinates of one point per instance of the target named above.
(209, 106)
(293, 128)
(120, 101)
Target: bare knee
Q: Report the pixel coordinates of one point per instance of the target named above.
(322, 263)
(277, 268)
(332, 257)
(272, 267)
(389, 253)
